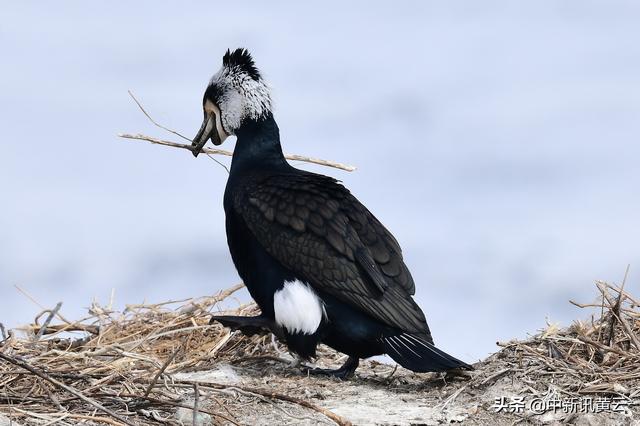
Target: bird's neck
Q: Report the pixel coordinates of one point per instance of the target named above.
(258, 146)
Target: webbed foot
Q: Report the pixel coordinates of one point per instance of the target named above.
(344, 372)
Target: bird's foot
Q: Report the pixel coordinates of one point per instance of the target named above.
(461, 373)
(344, 372)
(247, 325)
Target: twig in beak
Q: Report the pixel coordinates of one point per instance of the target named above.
(216, 151)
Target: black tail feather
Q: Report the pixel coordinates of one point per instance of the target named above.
(417, 354)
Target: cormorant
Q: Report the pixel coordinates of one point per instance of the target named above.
(319, 265)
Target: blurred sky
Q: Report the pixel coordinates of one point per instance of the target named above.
(497, 140)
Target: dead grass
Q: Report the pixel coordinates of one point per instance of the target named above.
(124, 367)
(596, 357)
(121, 371)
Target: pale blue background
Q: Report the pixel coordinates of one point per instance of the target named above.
(499, 141)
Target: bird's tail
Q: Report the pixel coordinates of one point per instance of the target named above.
(417, 354)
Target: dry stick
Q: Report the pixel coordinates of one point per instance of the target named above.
(629, 331)
(222, 295)
(495, 376)
(55, 328)
(601, 327)
(395, 368)
(154, 121)
(93, 418)
(46, 323)
(169, 130)
(633, 301)
(196, 397)
(55, 401)
(164, 367)
(58, 420)
(602, 346)
(10, 403)
(615, 309)
(106, 420)
(216, 151)
(65, 387)
(452, 397)
(159, 401)
(611, 306)
(30, 414)
(28, 296)
(223, 405)
(274, 395)
(599, 305)
(341, 166)
(270, 401)
(621, 319)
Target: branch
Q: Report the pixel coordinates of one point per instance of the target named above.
(164, 367)
(215, 151)
(52, 314)
(155, 123)
(74, 392)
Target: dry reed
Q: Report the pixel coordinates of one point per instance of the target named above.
(121, 368)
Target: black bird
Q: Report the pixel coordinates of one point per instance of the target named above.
(319, 265)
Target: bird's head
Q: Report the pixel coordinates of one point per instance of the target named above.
(235, 93)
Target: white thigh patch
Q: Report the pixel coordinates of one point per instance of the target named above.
(298, 308)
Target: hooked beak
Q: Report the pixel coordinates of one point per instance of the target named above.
(207, 131)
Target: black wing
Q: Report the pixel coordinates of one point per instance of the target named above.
(324, 235)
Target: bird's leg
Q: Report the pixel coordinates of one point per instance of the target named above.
(247, 325)
(343, 372)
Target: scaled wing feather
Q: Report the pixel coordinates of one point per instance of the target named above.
(323, 234)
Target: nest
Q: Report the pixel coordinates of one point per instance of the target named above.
(599, 357)
(123, 368)
(135, 367)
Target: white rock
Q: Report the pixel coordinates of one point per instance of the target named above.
(5, 421)
(224, 373)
